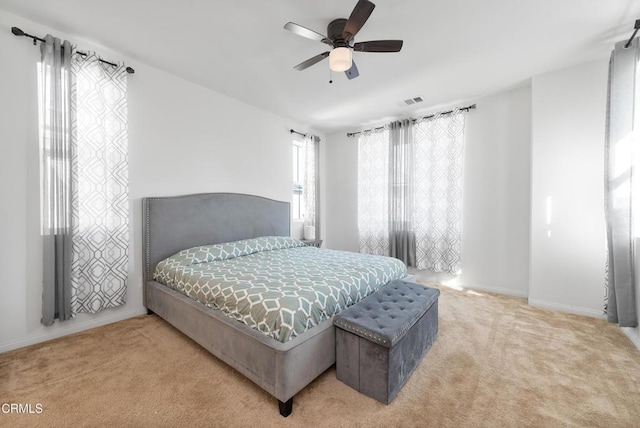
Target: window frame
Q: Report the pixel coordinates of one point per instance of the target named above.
(297, 203)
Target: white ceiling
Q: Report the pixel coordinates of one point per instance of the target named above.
(454, 50)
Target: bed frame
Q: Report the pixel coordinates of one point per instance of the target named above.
(171, 224)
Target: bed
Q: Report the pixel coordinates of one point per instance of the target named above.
(173, 224)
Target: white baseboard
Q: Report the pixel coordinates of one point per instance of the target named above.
(454, 281)
(633, 334)
(566, 308)
(75, 328)
(496, 290)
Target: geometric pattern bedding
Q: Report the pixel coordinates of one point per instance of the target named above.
(276, 285)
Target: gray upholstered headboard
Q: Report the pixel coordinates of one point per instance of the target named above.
(174, 223)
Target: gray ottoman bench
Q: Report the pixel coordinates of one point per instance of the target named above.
(381, 339)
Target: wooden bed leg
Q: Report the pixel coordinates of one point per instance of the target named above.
(286, 408)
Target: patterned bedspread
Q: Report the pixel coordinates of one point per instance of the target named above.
(276, 285)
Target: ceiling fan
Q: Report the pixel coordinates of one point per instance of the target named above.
(340, 36)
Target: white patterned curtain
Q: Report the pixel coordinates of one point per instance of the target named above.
(310, 183)
(438, 188)
(373, 192)
(100, 201)
(410, 191)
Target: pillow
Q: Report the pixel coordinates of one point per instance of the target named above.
(230, 250)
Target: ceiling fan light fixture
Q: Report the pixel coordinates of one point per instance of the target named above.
(340, 59)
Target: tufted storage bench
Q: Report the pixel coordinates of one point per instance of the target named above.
(381, 339)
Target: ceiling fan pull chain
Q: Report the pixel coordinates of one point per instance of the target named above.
(330, 76)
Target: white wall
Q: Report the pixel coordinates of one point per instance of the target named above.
(495, 245)
(183, 138)
(567, 215)
(342, 196)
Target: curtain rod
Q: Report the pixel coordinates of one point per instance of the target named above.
(293, 131)
(296, 132)
(18, 32)
(379, 128)
(635, 31)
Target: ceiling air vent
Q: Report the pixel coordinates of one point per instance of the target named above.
(411, 101)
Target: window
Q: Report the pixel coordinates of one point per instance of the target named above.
(297, 205)
(305, 200)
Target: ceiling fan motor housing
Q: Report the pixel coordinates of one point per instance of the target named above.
(334, 31)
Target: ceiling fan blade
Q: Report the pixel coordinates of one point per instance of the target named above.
(352, 73)
(305, 32)
(308, 63)
(378, 46)
(358, 17)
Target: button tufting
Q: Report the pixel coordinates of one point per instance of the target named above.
(386, 315)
